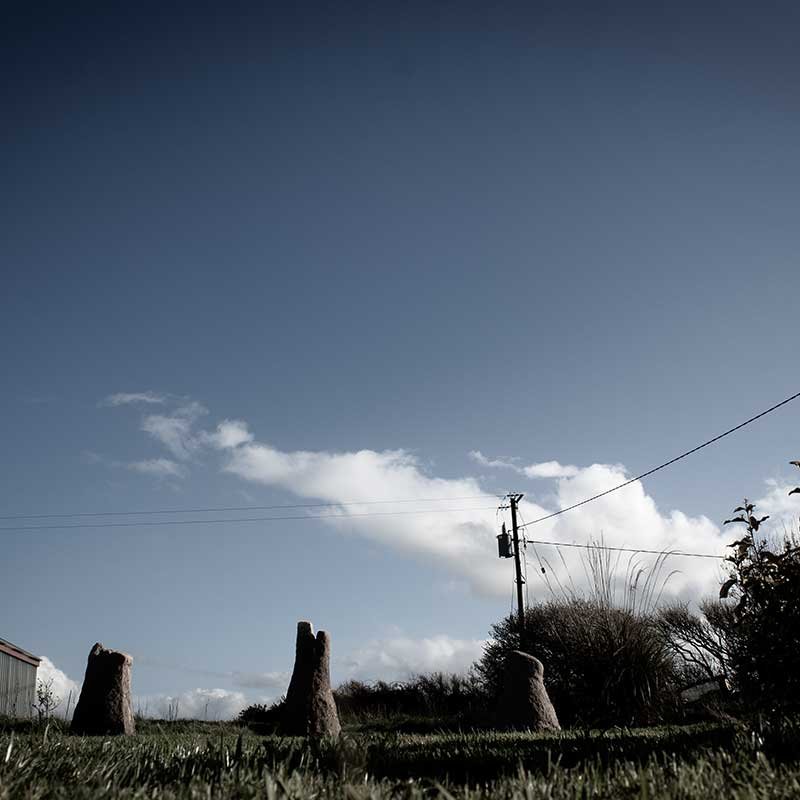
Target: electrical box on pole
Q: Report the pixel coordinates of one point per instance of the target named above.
(504, 544)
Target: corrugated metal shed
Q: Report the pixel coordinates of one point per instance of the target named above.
(17, 680)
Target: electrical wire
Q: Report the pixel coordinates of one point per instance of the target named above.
(525, 561)
(661, 466)
(244, 508)
(627, 549)
(140, 524)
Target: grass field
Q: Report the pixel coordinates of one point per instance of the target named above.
(194, 760)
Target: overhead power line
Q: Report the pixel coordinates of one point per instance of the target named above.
(661, 466)
(218, 509)
(207, 521)
(626, 549)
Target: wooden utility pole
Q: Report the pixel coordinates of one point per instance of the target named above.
(513, 500)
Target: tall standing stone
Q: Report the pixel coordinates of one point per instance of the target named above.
(524, 702)
(309, 708)
(104, 706)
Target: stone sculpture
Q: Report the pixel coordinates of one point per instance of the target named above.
(104, 706)
(309, 708)
(524, 702)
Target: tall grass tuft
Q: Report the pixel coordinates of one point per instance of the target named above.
(606, 660)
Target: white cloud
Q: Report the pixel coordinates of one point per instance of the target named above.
(159, 467)
(90, 457)
(783, 509)
(229, 433)
(275, 682)
(544, 469)
(462, 538)
(156, 467)
(128, 398)
(550, 469)
(627, 518)
(459, 534)
(464, 541)
(495, 463)
(174, 430)
(62, 685)
(400, 657)
(210, 704)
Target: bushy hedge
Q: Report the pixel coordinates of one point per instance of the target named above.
(764, 581)
(603, 665)
(439, 696)
(423, 703)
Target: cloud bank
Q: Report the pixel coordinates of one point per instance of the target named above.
(205, 704)
(376, 494)
(458, 532)
(62, 686)
(464, 541)
(401, 657)
(275, 683)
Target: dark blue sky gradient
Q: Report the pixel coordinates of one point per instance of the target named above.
(549, 230)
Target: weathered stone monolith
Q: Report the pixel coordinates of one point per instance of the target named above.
(309, 708)
(524, 702)
(104, 706)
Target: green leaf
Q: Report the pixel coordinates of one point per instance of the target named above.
(735, 519)
(740, 542)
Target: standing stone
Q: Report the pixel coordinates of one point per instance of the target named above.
(104, 706)
(524, 702)
(309, 708)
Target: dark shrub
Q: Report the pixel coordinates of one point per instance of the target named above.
(262, 718)
(603, 665)
(701, 642)
(420, 704)
(765, 646)
(442, 698)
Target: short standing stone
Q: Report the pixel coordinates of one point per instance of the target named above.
(309, 709)
(104, 706)
(524, 702)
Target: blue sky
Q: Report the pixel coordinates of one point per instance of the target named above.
(544, 232)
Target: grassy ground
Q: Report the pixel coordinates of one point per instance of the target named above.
(193, 760)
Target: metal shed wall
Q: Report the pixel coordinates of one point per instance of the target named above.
(17, 682)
